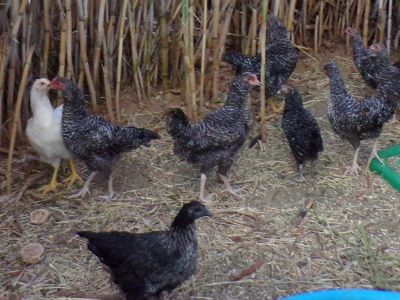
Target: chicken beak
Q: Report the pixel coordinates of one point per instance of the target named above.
(256, 82)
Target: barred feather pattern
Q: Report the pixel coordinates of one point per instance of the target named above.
(144, 265)
(301, 129)
(355, 120)
(281, 58)
(217, 138)
(91, 138)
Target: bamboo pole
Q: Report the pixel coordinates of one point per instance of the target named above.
(70, 66)
(119, 62)
(215, 52)
(263, 31)
(83, 54)
(164, 47)
(203, 56)
(107, 92)
(46, 48)
(389, 27)
(99, 40)
(17, 111)
(366, 17)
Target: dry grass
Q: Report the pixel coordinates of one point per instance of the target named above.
(349, 238)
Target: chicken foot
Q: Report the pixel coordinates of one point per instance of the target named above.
(234, 192)
(353, 170)
(85, 188)
(52, 186)
(203, 179)
(73, 177)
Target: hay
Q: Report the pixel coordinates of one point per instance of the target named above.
(348, 238)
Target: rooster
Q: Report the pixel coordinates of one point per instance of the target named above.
(217, 138)
(94, 140)
(44, 134)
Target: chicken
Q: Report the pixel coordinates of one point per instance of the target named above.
(365, 60)
(44, 134)
(217, 138)
(356, 120)
(301, 129)
(94, 140)
(144, 265)
(281, 58)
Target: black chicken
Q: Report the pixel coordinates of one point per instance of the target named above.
(144, 265)
(356, 120)
(281, 58)
(92, 139)
(365, 60)
(217, 138)
(301, 129)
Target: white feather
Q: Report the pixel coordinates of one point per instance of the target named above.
(44, 128)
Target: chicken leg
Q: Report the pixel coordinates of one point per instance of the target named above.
(301, 174)
(203, 179)
(73, 177)
(353, 170)
(52, 186)
(111, 192)
(234, 192)
(374, 153)
(85, 188)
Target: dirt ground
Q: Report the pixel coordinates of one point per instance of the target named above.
(349, 236)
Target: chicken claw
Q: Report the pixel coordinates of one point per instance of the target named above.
(85, 189)
(73, 177)
(353, 170)
(51, 187)
(234, 192)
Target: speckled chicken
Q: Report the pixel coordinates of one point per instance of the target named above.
(217, 138)
(367, 60)
(94, 140)
(144, 265)
(281, 58)
(301, 129)
(356, 120)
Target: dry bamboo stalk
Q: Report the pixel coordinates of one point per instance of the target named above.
(134, 53)
(321, 22)
(276, 7)
(63, 43)
(381, 21)
(304, 20)
(366, 17)
(347, 25)
(360, 8)
(292, 7)
(389, 27)
(316, 33)
(3, 65)
(98, 43)
(107, 92)
(263, 32)
(252, 31)
(215, 52)
(17, 111)
(119, 62)
(225, 28)
(46, 47)
(83, 54)
(243, 25)
(203, 56)
(164, 48)
(70, 68)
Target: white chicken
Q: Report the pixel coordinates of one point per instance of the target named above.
(44, 134)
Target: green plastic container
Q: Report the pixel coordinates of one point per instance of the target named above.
(385, 171)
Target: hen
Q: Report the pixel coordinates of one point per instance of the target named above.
(144, 265)
(217, 138)
(301, 129)
(92, 139)
(356, 120)
(367, 60)
(44, 133)
(281, 58)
